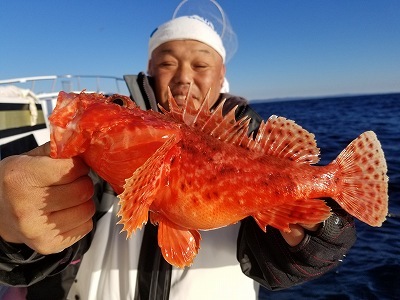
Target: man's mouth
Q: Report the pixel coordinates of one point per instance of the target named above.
(180, 98)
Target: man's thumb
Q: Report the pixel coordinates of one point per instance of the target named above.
(43, 150)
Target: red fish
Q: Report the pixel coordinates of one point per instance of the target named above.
(192, 169)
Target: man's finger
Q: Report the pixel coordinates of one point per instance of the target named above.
(69, 195)
(43, 150)
(42, 171)
(311, 227)
(295, 236)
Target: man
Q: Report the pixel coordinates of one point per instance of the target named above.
(47, 208)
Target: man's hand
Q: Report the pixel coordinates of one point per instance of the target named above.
(45, 203)
(296, 235)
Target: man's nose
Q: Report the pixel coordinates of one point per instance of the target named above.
(183, 75)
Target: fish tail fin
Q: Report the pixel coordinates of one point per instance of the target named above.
(364, 187)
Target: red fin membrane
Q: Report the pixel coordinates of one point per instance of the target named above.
(306, 211)
(212, 123)
(279, 136)
(283, 138)
(141, 189)
(179, 246)
(364, 191)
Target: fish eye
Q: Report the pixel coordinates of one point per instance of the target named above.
(118, 101)
(121, 101)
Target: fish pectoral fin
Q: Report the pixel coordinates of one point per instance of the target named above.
(141, 188)
(179, 246)
(304, 211)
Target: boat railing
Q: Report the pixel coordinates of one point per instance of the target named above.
(44, 89)
(47, 87)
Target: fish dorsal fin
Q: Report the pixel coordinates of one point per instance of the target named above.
(223, 127)
(284, 138)
(278, 136)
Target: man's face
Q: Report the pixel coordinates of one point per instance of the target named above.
(177, 64)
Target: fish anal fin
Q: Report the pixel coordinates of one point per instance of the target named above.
(304, 211)
(281, 137)
(364, 187)
(141, 189)
(179, 246)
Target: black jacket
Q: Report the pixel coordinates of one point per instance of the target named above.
(264, 257)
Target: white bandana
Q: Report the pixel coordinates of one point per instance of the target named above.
(187, 28)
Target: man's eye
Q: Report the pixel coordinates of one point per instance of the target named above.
(200, 66)
(167, 64)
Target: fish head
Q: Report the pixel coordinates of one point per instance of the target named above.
(77, 117)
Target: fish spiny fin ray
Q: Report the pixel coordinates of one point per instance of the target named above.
(284, 138)
(223, 127)
(175, 111)
(364, 186)
(304, 211)
(179, 246)
(278, 136)
(203, 110)
(141, 189)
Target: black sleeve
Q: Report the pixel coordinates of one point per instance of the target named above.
(21, 266)
(269, 260)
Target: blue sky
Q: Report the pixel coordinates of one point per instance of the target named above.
(287, 48)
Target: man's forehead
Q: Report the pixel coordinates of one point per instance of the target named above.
(185, 45)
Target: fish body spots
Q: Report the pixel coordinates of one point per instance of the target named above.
(195, 201)
(183, 187)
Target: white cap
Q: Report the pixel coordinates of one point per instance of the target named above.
(187, 28)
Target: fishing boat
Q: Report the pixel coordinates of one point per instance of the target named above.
(26, 103)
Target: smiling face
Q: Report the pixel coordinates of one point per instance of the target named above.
(177, 64)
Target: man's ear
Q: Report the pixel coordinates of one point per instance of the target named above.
(149, 68)
(222, 77)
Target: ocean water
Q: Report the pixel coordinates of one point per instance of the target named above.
(371, 269)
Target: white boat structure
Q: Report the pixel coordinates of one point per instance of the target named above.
(26, 103)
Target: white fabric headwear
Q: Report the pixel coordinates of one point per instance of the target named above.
(187, 28)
